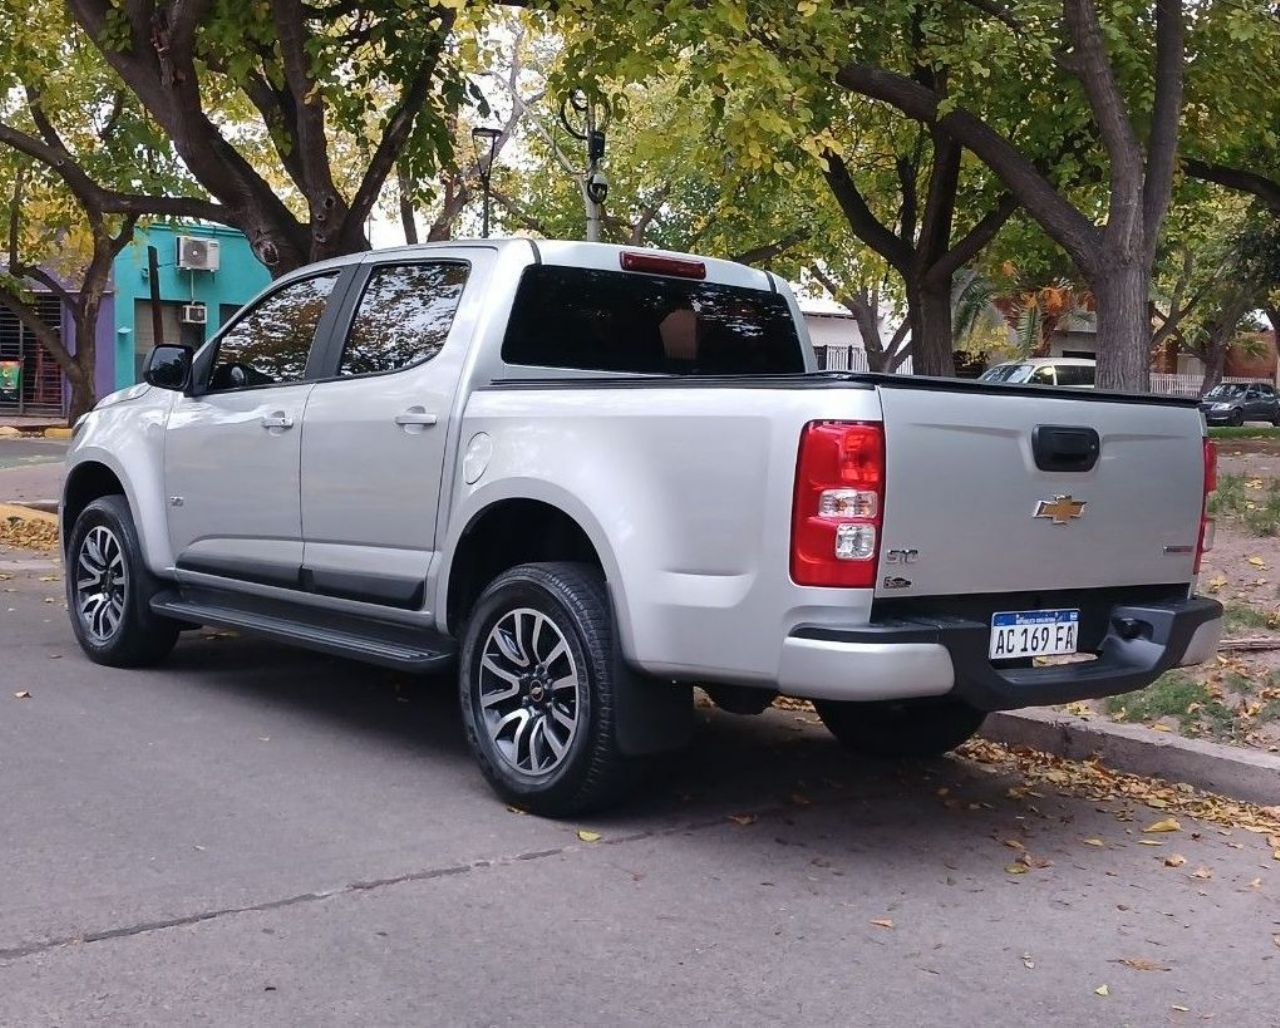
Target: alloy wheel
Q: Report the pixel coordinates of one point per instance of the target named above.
(530, 691)
(102, 583)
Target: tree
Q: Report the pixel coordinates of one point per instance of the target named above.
(68, 175)
(1045, 94)
(316, 76)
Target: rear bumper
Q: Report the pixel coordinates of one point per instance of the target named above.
(936, 656)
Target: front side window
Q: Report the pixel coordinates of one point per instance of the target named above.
(1043, 376)
(270, 344)
(403, 317)
(624, 322)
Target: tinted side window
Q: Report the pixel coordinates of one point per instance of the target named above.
(270, 344)
(1075, 375)
(403, 317)
(647, 324)
(1267, 391)
(1043, 376)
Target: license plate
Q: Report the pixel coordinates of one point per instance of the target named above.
(1033, 633)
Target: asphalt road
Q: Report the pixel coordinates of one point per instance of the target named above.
(16, 453)
(256, 836)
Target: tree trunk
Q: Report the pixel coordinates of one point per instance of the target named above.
(1215, 359)
(1124, 330)
(929, 311)
(80, 376)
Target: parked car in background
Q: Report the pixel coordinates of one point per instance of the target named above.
(1234, 403)
(1071, 372)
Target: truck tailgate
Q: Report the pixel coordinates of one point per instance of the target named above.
(963, 490)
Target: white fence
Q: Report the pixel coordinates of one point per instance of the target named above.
(850, 358)
(1183, 385)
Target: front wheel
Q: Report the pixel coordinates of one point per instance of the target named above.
(905, 728)
(1236, 419)
(109, 590)
(537, 690)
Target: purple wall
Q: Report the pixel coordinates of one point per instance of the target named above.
(104, 363)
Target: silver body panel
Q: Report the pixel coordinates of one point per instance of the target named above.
(685, 493)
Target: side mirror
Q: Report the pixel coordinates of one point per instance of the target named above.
(168, 367)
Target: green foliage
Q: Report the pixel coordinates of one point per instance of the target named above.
(1175, 695)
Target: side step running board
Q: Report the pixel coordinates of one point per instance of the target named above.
(364, 639)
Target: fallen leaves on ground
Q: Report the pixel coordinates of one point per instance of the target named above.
(744, 819)
(1202, 872)
(882, 922)
(23, 695)
(28, 533)
(1169, 824)
(1258, 562)
(1102, 990)
(1091, 779)
(587, 835)
(1093, 842)
(1174, 860)
(1142, 964)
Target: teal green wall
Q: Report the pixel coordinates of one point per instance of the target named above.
(239, 278)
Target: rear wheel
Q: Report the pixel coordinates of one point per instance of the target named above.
(906, 728)
(109, 590)
(537, 690)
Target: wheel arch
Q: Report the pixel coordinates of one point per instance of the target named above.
(517, 529)
(97, 473)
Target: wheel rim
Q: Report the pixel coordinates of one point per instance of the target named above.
(529, 691)
(102, 583)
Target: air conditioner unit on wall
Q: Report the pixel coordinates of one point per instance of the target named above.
(197, 254)
(195, 314)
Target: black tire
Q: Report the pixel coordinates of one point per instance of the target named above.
(1236, 419)
(590, 772)
(911, 729)
(136, 637)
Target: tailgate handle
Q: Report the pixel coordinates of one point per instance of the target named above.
(1065, 447)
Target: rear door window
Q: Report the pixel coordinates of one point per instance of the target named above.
(616, 321)
(403, 317)
(1075, 374)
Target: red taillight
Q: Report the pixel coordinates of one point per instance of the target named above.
(658, 264)
(839, 504)
(1205, 543)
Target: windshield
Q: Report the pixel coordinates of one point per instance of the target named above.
(1227, 391)
(1007, 373)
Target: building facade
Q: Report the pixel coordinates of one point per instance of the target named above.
(205, 273)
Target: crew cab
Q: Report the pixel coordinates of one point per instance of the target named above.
(586, 478)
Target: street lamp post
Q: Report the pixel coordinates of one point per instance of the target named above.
(586, 118)
(484, 139)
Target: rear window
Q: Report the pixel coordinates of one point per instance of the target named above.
(617, 321)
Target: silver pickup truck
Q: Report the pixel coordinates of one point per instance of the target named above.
(590, 477)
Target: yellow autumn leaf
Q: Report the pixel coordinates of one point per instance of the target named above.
(744, 819)
(882, 922)
(1257, 562)
(1093, 842)
(1102, 990)
(1169, 824)
(588, 836)
(1174, 860)
(1202, 872)
(1017, 869)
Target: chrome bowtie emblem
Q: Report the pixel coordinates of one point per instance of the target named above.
(1060, 509)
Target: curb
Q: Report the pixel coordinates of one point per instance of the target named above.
(1244, 774)
(25, 513)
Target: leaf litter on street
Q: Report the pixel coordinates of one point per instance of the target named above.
(1091, 779)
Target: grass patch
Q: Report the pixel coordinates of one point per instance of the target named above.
(1244, 432)
(1239, 617)
(1253, 501)
(1179, 696)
